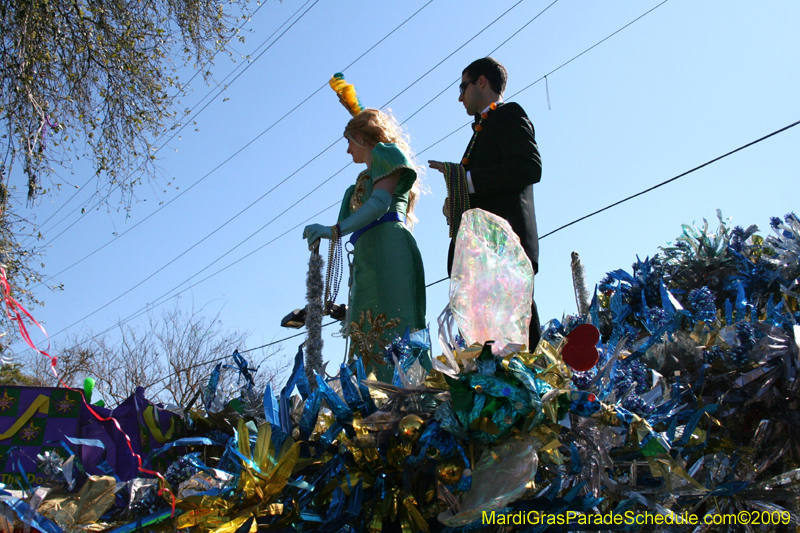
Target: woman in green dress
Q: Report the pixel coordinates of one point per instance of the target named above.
(388, 291)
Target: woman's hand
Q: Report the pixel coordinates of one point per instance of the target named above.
(315, 232)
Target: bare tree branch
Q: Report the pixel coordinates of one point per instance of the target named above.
(96, 79)
(172, 359)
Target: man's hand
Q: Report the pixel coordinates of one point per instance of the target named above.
(436, 165)
(446, 209)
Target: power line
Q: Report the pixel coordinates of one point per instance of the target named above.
(259, 198)
(574, 221)
(451, 54)
(99, 202)
(220, 359)
(273, 343)
(192, 247)
(427, 148)
(182, 90)
(458, 79)
(440, 140)
(528, 87)
(164, 297)
(661, 184)
(598, 43)
(163, 206)
(658, 185)
(247, 66)
(437, 282)
(665, 182)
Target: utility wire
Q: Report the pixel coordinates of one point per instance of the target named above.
(259, 198)
(458, 79)
(248, 65)
(165, 297)
(84, 258)
(595, 45)
(665, 182)
(440, 140)
(182, 90)
(223, 358)
(273, 343)
(184, 253)
(658, 185)
(451, 54)
(631, 197)
(241, 150)
(574, 221)
(534, 83)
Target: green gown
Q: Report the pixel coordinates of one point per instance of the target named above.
(388, 277)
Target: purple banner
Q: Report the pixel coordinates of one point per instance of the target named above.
(37, 419)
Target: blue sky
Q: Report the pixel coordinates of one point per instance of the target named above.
(686, 83)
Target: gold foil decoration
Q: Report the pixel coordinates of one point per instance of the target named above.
(364, 341)
(450, 470)
(94, 499)
(546, 438)
(260, 482)
(411, 428)
(356, 199)
(193, 518)
(485, 424)
(470, 352)
(435, 380)
(397, 453)
(415, 517)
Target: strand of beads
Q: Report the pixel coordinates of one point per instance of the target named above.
(455, 178)
(333, 278)
(477, 128)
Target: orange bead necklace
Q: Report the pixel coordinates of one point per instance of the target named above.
(476, 130)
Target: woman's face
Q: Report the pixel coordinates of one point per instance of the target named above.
(361, 153)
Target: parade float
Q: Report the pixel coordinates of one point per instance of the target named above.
(671, 397)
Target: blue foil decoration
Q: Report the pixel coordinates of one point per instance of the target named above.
(350, 391)
(296, 379)
(211, 387)
(272, 408)
(27, 516)
(309, 418)
(361, 376)
(340, 409)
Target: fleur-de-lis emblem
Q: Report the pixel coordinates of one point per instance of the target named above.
(364, 342)
(6, 402)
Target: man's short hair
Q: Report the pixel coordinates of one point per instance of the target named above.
(492, 69)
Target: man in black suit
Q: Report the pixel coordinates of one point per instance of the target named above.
(502, 162)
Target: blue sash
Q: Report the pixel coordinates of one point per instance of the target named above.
(391, 216)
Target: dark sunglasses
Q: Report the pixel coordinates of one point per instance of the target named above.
(463, 86)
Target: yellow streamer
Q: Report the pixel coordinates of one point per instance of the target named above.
(419, 523)
(155, 428)
(41, 404)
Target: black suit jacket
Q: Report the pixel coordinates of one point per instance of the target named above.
(504, 165)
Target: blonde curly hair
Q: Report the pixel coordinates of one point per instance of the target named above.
(373, 126)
